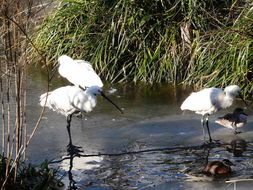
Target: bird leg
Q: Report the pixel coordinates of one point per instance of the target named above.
(208, 130)
(235, 129)
(237, 132)
(203, 127)
(68, 128)
(72, 149)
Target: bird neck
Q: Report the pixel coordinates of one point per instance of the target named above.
(228, 100)
(90, 93)
(83, 88)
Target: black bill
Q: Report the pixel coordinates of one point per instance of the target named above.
(109, 100)
(243, 99)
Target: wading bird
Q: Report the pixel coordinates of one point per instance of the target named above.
(78, 72)
(233, 120)
(71, 100)
(210, 100)
(218, 167)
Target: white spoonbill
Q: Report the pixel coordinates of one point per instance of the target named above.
(233, 120)
(210, 100)
(70, 100)
(78, 72)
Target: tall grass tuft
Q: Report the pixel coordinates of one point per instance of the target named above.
(224, 56)
(195, 42)
(15, 23)
(13, 73)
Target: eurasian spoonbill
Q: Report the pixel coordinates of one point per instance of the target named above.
(210, 100)
(71, 100)
(78, 72)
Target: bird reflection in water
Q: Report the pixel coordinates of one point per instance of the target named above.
(74, 165)
(237, 147)
(72, 154)
(216, 168)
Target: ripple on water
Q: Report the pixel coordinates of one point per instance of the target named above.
(178, 169)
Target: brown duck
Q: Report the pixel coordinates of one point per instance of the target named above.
(218, 167)
(233, 120)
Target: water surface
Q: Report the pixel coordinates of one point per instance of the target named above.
(152, 119)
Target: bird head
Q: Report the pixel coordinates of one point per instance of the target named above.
(64, 59)
(234, 90)
(61, 60)
(227, 162)
(239, 111)
(96, 90)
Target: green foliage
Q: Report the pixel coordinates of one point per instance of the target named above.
(208, 43)
(225, 56)
(30, 177)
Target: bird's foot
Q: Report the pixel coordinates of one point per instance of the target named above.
(211, 142)
(74, 150)
(215, 142)
(237, 132)
(79, 115)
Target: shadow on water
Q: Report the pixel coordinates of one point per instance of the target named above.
(152, 121)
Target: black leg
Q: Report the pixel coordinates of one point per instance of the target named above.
(72, 182)
(72, 149)
(203, 127)
(68, 128)
(237, 132)
(207, 126)
(235, 128)
(206, 154)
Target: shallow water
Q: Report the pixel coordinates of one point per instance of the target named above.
(153, 120)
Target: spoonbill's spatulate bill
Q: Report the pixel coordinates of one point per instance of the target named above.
(210, 100)
(233, 120)
(70, 100)
(78, 72)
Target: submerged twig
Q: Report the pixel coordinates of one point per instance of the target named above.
(238, 180)
(173, 149)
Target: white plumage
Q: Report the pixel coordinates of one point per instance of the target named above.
(69, 99)
(78, 72)
(209, 101)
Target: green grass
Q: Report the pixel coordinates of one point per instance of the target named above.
(226, 57)
(205, 43)
(30, 177)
